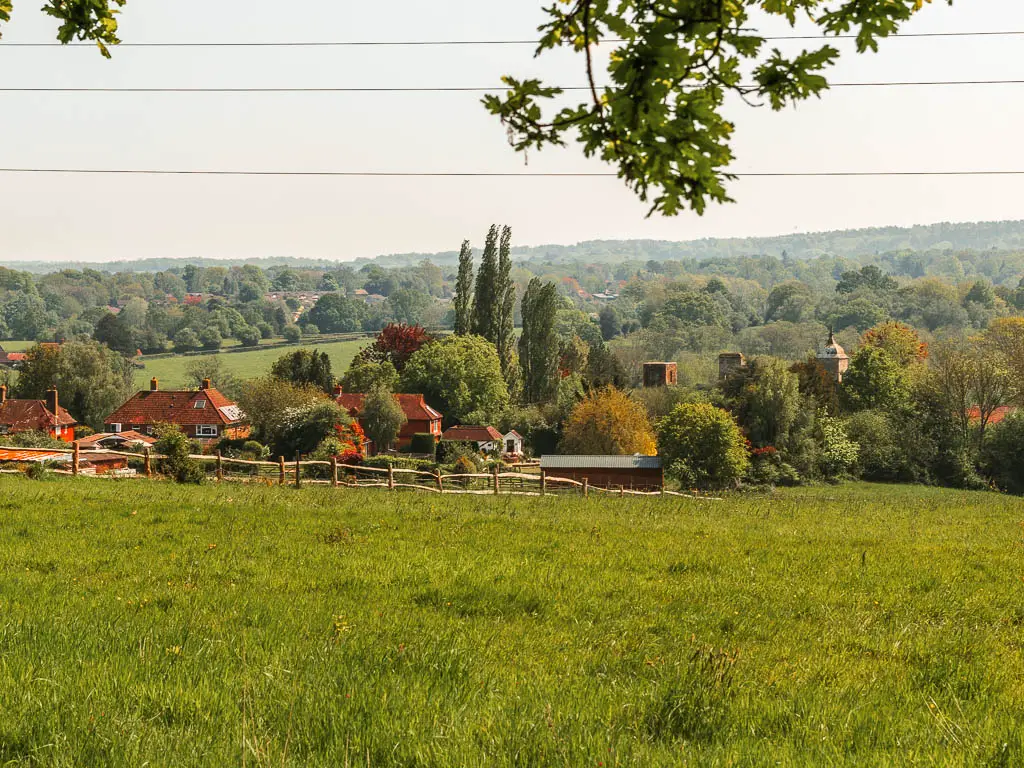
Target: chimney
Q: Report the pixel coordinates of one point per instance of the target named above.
(51, 401)
(3, 394)
(154, 384)
(205, 385)
(337, 390)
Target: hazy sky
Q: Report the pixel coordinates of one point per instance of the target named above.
(102, 218)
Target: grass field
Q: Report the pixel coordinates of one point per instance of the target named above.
(164, 625)
(245, 365)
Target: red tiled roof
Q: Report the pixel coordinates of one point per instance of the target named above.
(998, 414)
(177, 407)
(17, 357)
(33, 416)
(414, 407)
(472, 434)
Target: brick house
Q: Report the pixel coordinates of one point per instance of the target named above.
(46, 416)
(420, 417)
(204, 414)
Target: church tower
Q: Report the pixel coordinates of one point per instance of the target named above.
(833, 358)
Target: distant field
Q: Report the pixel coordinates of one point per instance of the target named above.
(245, 365)
(16, 346)
(180, 626)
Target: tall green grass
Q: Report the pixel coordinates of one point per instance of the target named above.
(147, 623)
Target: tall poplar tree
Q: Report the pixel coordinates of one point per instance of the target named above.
(538, 346)
(463, 301)
(504, 339)
(486, 302)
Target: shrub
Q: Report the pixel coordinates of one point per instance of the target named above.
(423, 442)
(879, 457)
(701, 446)
(175, 447)
(464, 466)
(292, 333)
(838, 452)
(38, 470)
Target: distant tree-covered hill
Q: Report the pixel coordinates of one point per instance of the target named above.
(978, 236)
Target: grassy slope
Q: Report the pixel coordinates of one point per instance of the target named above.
(858, 625)
(171, 370)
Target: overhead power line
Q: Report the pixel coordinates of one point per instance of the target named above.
(366, 43)
(486, 174)
(448, 89)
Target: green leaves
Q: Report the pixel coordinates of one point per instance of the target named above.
(80, 20)
(656, 113)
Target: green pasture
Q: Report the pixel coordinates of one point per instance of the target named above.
(244, 365)
(143, 623)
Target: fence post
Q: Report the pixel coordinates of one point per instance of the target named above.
(622, 491)
(586, 489)
(147, 465)
(391, 478)
(334, 471)
(74, 458)
(220, 467)
(280, 461)
(543, 482)
(298, 470)
(496, 482)
(440, 483)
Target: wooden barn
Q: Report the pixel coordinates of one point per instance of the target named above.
(640, 473)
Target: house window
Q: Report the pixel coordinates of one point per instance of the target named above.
(205, 430)
(199, 404)
(115, 427)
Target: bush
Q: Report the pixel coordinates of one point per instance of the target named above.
(249, 336)
(464, 466)
(39, 470)
(175, 447)
(702, 447)
(423, 442)
(879, 457)
(400, 462)
(292, 333)
(449, 450)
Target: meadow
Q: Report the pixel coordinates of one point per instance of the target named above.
(147, 623)
(244, 365)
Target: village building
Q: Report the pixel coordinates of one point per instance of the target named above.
(514, 444)
(45, 416)
(204, 414)
(833, 358)
(116, 441)
(11, 359)
(420, 417)
(638, 473)
(486, 439)
(730, 363)
(659, 374)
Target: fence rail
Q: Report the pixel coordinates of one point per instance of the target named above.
(299, 472)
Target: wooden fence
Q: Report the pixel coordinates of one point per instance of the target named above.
(301, 472)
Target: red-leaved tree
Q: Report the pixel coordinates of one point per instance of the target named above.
(395, 344)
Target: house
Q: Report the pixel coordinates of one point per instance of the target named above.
(376, 298)
(641, 473)
(11, 359)
(45, 416)
(204, 414)
(116, 441)
(420, 417)
(997, 415)
(361, 293)
(486, 439)
(514, 444)
(658, 374)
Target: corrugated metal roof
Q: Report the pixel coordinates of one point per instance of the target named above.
(600, 462)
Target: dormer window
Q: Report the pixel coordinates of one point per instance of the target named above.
(199, 404)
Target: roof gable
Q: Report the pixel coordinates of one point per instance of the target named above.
(472, 434)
